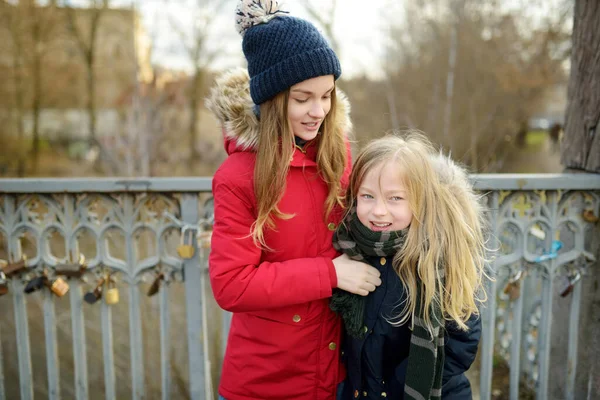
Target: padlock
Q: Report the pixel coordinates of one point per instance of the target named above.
(205, 237)
(156, 284)
(72, 270)
(589, 216)
(3, 284)
(59, 287)
(569, 284)
(35, 284)
(186, 250)
(16, 268)
(513, 287)
(95, 294)
(112, 293)
(513, 290)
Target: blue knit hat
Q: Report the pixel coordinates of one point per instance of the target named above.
(281, 50)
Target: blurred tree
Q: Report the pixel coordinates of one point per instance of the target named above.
(580, 147)
(85, 33)
(196, 43)
(31, 30)
(470, 73)
(325, 17)
(42, 25)
(13, 30)
(580, 151)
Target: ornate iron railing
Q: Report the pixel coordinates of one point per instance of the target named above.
(152, 236)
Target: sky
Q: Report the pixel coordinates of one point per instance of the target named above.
(358, 29)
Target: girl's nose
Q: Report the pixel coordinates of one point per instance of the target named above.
(317, 110)
(379, 208)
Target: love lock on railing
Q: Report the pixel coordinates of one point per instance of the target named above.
(11, 269)
(105, 287)
(57, 285)
(155, 286)
(3, 283)
(186, 248)
(73, 269)
(552, 254)
(513, 286)
(575, 270)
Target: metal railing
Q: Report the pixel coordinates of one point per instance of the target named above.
(138, 235)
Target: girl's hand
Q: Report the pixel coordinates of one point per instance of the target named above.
(355, 276)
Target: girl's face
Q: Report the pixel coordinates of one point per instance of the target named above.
(381, 204)
(308, 103)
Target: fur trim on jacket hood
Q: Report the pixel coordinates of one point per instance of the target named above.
(229, 100)
(453, 175)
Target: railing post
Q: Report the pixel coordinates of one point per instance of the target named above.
(20, 309)
(193, 303)
(488, 314)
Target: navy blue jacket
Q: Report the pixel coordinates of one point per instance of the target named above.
(376, 365)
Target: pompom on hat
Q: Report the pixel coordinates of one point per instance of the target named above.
(281, 50)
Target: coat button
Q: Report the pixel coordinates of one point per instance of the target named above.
(332, 346)
(331, 226)
(383, 394)
(382, 261)
(364, 394)
(356, 394)
(296, 318)
(365, 329)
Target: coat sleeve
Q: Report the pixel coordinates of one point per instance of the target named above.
(240, 281)
(461, 347)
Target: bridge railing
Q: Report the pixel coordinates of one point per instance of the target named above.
(139, 321)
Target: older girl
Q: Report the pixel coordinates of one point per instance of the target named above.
(277, 203)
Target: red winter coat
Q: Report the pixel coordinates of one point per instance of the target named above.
(284, 339)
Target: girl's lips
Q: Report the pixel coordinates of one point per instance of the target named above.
(379, 226)
(311, 126)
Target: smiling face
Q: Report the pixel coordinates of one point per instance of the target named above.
(381, 202)
(308, 104)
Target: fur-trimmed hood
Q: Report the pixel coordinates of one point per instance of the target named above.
(230, 101)
(450, 172)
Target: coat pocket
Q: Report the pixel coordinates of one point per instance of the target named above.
(295, 315)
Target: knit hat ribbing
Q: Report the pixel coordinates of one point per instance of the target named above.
(281, 50)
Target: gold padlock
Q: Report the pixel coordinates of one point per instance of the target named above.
(186, 250)
(59, 287)
(112, 293)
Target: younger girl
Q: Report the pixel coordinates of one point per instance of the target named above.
(413, 215)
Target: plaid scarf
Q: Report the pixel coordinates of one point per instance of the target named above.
(426, 356)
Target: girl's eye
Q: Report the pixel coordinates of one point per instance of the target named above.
(327, 96)
(366, 196)
(301, 100)
(396, 198)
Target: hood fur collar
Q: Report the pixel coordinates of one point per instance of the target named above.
(230, 102)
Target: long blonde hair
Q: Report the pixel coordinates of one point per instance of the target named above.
(274, 152)
(447, 227)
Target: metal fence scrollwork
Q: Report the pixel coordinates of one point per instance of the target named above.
(111, 276)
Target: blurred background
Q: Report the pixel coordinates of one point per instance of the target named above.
(117, 88)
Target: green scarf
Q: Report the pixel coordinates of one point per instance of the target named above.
(426, 355)
(358, 241)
